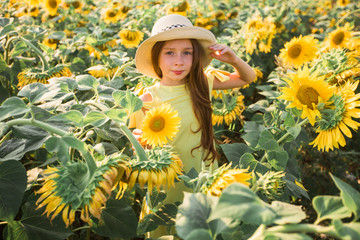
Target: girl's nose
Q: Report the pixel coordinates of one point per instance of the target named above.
(179, 60)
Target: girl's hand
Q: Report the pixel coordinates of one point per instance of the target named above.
(137, 134)
(223, 53)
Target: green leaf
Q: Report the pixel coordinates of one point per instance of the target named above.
(193, 213)
(7, 29)
(57, 145)
(349, 196)
(20, 47)
(248, 160)
(131, 102)
(118, 96)
(95, 118)
(15, 230)
(13, 181)
(72, 116)
(287, 213)
(238, 202)
(33, 92)
(13, 106)
(117, 114)
(199, 234)
(267, 141)
(87, 82)
(278, 159)
(289, 120)
(330, 207)
(233, 152)
(347, 231)
(12, 149)
(57, 35)
(294, 131)
(294, 188)
(118, 220)
(38, 226)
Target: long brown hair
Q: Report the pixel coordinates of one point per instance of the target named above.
(197, 85)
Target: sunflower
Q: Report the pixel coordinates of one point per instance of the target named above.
(77, 5)
(342, 3)
(306, 91)
(68, 188)
(34, 3)
(160, 170)
(100, 71)
(100, 47)
(131, 38)
(228, 111)
(222, 178)
(339, 38)
(207, 23)
(179, 8)
(112, 15)
(160, 125)
(51, 6)
(33, 75)
(299, 51)
(51, 43)
(338, 118)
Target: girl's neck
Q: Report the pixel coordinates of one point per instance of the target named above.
(171, 83)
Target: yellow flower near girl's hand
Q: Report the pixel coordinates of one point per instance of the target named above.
(160, 125)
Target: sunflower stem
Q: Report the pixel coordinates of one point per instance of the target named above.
(304, 228)
(5, 137)
(7, 48)
(140, 152)
(45, 65)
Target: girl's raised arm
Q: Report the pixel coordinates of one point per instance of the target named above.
(243, 73)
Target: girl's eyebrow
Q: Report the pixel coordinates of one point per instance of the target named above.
(175, 48)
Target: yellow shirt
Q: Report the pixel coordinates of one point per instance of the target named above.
(185, 140)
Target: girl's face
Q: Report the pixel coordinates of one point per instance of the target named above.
(175, 61)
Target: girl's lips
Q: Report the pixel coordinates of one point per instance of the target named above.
(178, 72)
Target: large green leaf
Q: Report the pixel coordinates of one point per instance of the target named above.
(347, 231)
(247, 160)
(12, 149)
(38, 226)
(15, 230)
(12, 186)
(278, 159)
(117, 114)
(118, 96)
(349, 196)
(238, 202)
(330, 207)
(33, 92)
(73, 116)
(267, 141)
(131, 102)
(57, 145)
(193, 213)
(7, 29)
(233, 152)
(11, 107)
(87, 82)
(199, 234)
(95, 118)
(118, 220)
(287, 213)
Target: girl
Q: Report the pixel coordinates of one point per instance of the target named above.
(177, 53)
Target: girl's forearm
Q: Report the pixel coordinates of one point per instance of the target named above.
(243, 71)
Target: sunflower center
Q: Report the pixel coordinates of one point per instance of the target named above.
(111, 14)
(131, 36)
(53, 3)
(295, 50)
(102, 47)
(157, 124)
(307, 95)
(339, 38)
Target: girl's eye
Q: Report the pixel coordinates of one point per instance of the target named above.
(169, 53)
(187, 53)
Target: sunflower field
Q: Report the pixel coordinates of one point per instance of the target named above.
(72, 168)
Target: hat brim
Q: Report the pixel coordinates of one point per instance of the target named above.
(143, 54)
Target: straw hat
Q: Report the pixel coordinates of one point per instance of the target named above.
(172, 27)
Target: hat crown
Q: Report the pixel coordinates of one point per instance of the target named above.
(169, 22)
